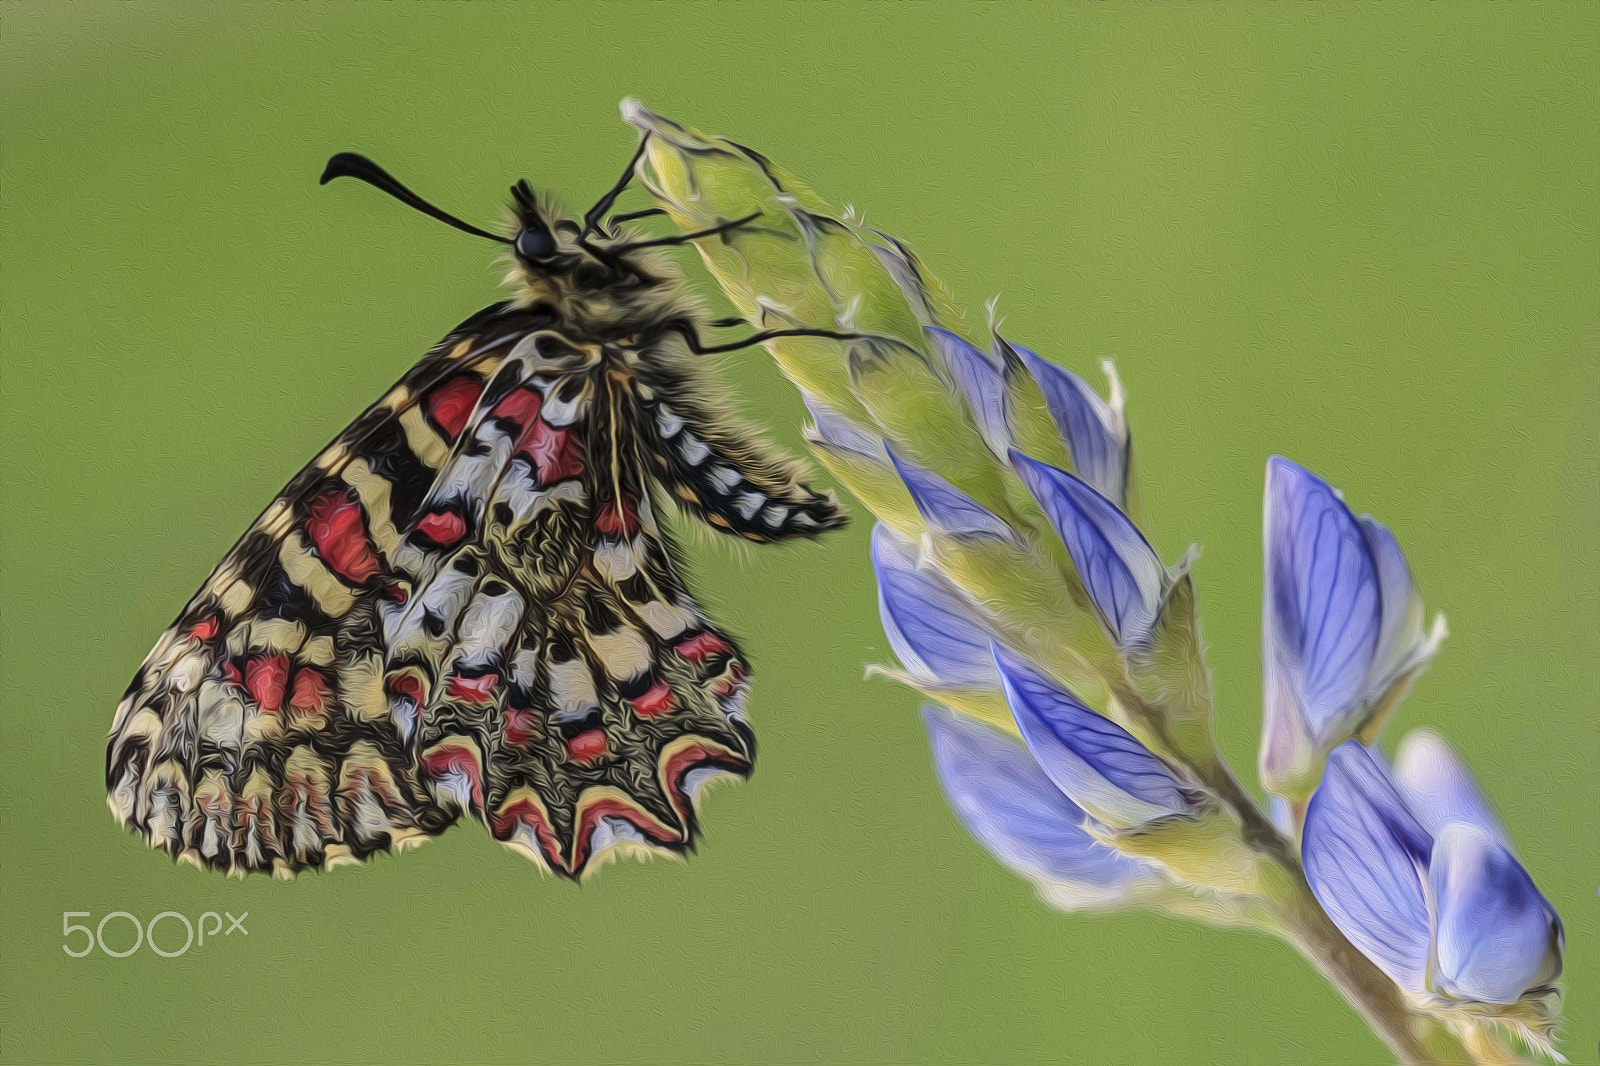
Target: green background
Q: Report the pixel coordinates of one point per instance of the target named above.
(1364, 239)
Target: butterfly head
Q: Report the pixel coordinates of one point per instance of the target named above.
(552, 249)
(535, 243)
(547, 246)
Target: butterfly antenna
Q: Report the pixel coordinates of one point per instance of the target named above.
(522, 193)
(356, 165)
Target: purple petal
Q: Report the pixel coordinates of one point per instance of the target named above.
(981, 383)
(946, 507)
(1122, 573)
(1401, 626)
(1365, 857)
(1280, 814)
(929, 622)
(1006, 802)
(1439, 788)
(1100, 765)
(1092, 429)
(1497, 935)
(841, 434)
(902, 268)
(1322, 611)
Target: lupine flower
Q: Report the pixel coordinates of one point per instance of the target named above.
(859, 457)
(1119, 569)
(981, 382)
(1341, 629)
(931, 625)
(841, 434)
(945, 442)
(902, 267)
(1416, 874)
(1095, 429)
(946, 508)
(1007, 802)
(1439, 788)
(1101, 766)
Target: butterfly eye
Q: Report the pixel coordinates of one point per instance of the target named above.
(535, 244)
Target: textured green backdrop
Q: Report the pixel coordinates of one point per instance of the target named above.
(1368, 242)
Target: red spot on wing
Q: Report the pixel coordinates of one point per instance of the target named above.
(408, 687)
(656, 701)
(694, 755)
(451, 403)
(555, 453)
(521, 406)
(521, 726)
(206, 628)
(613, 523)
(443, 528)
(310, 692)
(731, 684)
(610, 807)
(230, 673)
(265, 678)
(588, 747)
(338, 531)
(455, 759)
(702, 646)
(472, 689)
(526, 812)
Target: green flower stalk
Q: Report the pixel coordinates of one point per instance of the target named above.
(1071, 727)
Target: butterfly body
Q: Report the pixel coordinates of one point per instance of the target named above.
(467, 606)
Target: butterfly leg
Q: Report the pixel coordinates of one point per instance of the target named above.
(699, 347)
(592, 217)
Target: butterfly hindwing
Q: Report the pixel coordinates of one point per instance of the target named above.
(583, 698)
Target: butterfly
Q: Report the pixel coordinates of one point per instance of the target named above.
(467, 605)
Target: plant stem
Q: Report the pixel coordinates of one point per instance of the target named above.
(1412, 1037)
